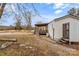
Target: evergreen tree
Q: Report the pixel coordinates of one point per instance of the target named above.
(72, 11)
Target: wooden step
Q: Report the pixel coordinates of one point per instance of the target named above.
(64, 41)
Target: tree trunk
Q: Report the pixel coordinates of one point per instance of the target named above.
(2, 6)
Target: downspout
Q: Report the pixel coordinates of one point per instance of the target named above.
(69, 35)
(53, 31)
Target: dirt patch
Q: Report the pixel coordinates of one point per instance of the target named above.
(33, 45)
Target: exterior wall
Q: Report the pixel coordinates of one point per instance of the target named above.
(50, 30)
(41, 30)
(58, 29)
(75, 31)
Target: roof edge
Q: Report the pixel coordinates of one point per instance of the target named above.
(60, 18)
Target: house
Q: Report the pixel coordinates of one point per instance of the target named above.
(41, 29)
(66, 27)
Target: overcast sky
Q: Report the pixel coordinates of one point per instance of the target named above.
(48, 12)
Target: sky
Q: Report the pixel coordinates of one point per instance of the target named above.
(47, 12)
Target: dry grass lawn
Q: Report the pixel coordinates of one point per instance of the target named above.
(29, 44)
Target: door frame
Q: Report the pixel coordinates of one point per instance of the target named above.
(66, 30)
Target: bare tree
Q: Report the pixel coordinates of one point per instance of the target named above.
(18, 24)
(29, 15)
(2, 6)
(26, 14)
